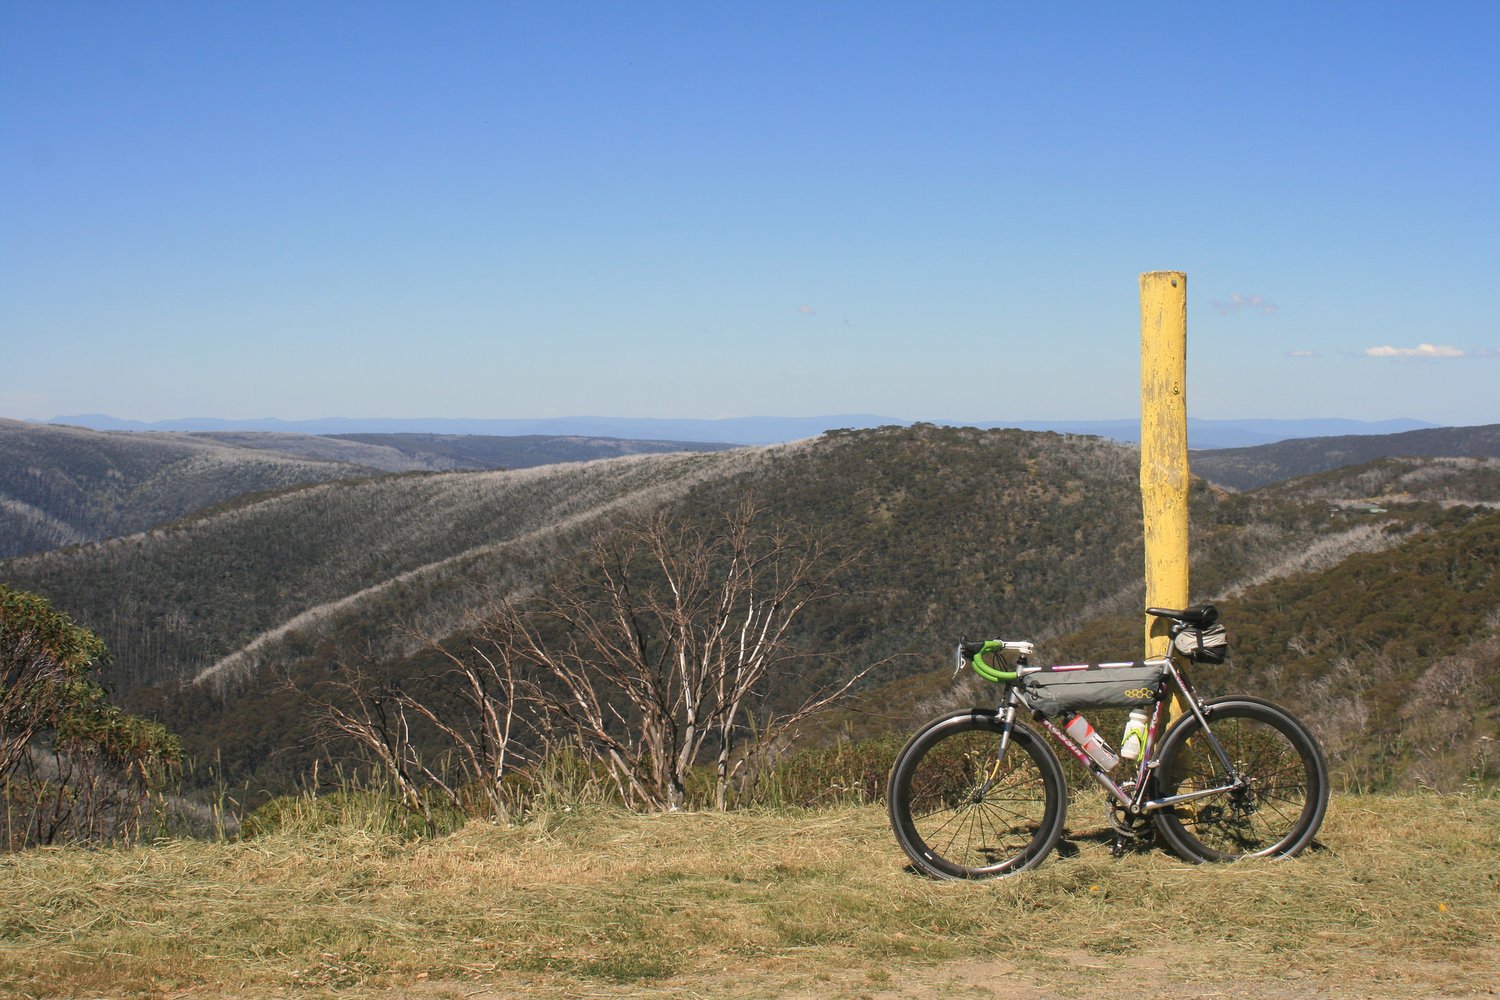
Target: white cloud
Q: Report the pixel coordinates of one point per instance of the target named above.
(807, 310)
(1303, 354)
(1238, 302)
(1421, 351)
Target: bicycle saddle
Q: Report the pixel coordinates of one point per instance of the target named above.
(1199, 614)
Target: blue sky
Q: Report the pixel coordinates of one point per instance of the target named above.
(923, 210)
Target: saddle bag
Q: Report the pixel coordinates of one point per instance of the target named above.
(1202, 645)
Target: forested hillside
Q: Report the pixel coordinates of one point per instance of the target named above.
(948, 531)
(63, 485)
(1392, 655)
(394, 452)
(986, 529)
(1468, 481)
(1248, 468)
(207, 593)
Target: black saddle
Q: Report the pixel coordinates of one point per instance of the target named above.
(1199, 615)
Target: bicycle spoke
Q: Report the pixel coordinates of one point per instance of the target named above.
(972, 809)
(1274, 807)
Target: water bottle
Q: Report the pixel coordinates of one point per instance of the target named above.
(1134, 740)
(1092, 743)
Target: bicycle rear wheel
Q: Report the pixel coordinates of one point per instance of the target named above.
(959, 810)
(1281, 806)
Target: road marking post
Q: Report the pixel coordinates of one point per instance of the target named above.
(1164, 458)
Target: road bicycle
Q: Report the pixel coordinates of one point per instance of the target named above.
(979, 794)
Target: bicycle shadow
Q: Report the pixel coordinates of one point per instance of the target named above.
(1072, 843)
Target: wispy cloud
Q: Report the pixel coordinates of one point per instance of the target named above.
(807, 310)
(1239, 303)
(1303, 354)
(1426, 351)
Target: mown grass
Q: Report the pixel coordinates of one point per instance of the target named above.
(1403, 894)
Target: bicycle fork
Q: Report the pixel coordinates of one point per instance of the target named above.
(1007, 714)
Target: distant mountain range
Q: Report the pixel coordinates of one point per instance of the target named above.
(755, 430)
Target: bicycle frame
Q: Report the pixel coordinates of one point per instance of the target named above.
(1131, 795)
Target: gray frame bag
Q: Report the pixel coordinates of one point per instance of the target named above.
(1055, 690)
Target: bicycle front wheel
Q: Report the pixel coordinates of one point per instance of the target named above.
(1278, 809)
(960, 810)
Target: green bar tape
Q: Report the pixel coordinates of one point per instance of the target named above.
(988, 672)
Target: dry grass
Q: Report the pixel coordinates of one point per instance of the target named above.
(1402, 900)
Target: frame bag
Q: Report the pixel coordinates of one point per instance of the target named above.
(1055, 690)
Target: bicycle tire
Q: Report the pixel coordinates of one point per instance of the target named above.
(1280, 811)
(948, 825)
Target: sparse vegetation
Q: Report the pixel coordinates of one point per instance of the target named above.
(649, 660)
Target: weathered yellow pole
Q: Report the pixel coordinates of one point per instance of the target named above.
(1164, 458)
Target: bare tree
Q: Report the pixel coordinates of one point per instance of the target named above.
(655, 653)
(649, 658)
(474, 713)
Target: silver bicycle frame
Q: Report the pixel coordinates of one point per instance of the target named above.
(1137, 803)
(1196, 708)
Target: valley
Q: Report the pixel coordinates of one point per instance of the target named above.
(1367, 593)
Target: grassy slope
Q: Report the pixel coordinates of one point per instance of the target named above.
(755, 905)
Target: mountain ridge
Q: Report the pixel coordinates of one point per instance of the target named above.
(1202, 433)
(1250, 468)
(63, 485)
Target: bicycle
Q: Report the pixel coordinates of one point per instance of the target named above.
(979, 794)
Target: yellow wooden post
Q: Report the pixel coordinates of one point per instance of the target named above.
(1164, 458)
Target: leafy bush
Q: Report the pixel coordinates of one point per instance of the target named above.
(72, 766)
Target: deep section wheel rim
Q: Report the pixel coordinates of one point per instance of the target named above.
(1270, 813)
(972, 813)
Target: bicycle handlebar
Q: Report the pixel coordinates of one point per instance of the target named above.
(973, 654)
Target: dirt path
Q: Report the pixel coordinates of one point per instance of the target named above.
(1063, 976)
(1087, 977)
